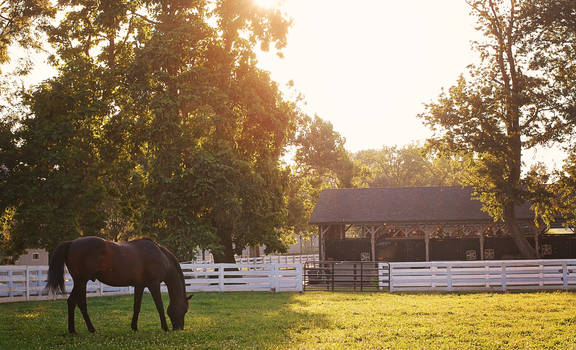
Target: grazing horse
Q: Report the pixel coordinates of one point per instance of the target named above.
(140, 263)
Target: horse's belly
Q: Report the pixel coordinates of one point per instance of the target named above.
(117, 279)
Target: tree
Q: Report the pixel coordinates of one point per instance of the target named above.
(165, 127)
(504, 105)
(406, 166)
(19, 22)
(320, 152)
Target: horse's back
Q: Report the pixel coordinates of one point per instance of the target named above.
(84, 255)
(119, 264)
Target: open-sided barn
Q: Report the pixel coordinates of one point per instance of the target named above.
(422, 224)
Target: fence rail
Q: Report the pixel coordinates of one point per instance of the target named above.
(267, 259)
(483, 275)
(21, 283)
(278, 259)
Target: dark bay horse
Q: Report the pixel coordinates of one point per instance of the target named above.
(141, 263)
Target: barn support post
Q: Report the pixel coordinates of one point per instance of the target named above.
(427, 241)
(322, 230)
(481, 243)
(536, 239)
(320, 243)
(373, 243)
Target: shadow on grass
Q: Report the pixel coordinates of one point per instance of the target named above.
(222, 321)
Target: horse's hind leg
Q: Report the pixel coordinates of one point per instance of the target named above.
(155, 291)
(138, 290)
(72, 302)
(83, 306)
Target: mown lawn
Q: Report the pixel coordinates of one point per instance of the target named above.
(304, 321)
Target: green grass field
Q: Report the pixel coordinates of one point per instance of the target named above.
(304, 321)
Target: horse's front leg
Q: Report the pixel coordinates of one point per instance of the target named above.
(138, 290)
(83, 306)
(157, 296)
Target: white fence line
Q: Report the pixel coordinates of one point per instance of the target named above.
(267, 259)
(21, 283)
(485, 275)
(18, 283)
(278, 259)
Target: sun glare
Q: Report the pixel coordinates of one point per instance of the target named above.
(268, 4)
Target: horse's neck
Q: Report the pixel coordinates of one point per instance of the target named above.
(175, 284)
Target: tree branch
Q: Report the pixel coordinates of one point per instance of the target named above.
(146, 18)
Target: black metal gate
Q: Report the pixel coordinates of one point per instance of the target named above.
(361, 276)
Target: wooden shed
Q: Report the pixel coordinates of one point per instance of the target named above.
(421, 224)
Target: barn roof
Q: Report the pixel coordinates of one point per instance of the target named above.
(402, 205)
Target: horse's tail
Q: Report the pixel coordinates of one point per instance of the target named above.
(55, 282)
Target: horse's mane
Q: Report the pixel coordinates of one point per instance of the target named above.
(174, 261)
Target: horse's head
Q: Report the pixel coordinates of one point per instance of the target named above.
(176, 311)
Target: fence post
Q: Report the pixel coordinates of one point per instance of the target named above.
(27, 282)
(564, 275)
(221, 277)
(541, 276)
(503, 276)
(390, 279)
(10, 285)
(380, 287)
(275, 278)
(300, 277)
(449, 276)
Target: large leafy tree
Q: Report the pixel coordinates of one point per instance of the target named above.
(320, 153)
(503, 106)
(20, 21)
(406, 166)
(165, 120)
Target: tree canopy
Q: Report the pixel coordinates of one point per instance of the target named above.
(508, 103)
(158, 123)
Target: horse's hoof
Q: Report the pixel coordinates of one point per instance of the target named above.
(92, 330)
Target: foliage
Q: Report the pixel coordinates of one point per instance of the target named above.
(321, 154)
(19, 23)
(321, 162)
(158, 123)
(504, 105)
(307, 321)
(406, 166)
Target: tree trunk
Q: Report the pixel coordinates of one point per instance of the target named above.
(524, 247)
(227, 253)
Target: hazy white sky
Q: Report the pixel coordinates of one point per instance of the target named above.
(369, 65)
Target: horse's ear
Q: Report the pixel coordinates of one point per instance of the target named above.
(189, 297)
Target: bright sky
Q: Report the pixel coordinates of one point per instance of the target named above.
(368, 66)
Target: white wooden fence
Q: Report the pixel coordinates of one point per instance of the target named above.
(20, 283)
(278, 259)
(267, 259)
(243, 277)
(480, 275)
